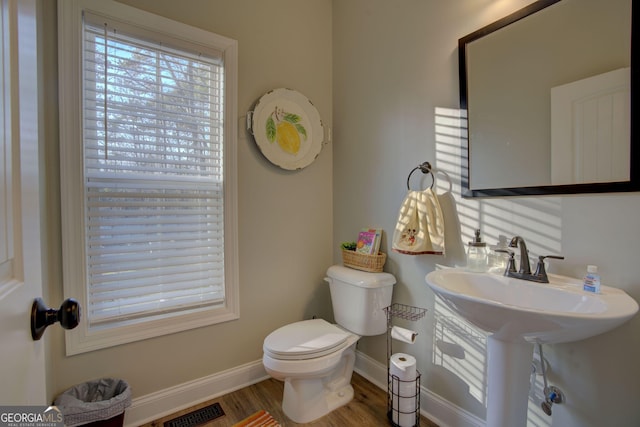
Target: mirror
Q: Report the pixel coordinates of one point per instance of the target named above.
(549, 93)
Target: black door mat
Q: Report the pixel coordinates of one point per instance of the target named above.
(197, 417)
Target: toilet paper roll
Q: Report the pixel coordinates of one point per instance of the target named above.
(404, 335)
(403, 389)
(403, 366)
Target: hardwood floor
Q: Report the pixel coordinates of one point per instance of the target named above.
(368, 408)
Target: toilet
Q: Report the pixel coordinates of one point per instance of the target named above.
(315, 358)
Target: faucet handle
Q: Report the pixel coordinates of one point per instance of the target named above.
(506, 251)
(542, 257)
(511, 262)
(540, 269)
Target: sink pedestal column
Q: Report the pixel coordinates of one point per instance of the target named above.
(509, 371)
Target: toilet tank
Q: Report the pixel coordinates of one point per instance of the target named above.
(359, 299)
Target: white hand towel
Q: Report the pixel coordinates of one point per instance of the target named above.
(420, 227)
(456, 250)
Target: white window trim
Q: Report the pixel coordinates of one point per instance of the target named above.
(81, 339)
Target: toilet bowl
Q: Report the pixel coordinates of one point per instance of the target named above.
(316, 370)
(315, 358)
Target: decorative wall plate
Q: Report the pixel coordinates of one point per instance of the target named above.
(287, 128)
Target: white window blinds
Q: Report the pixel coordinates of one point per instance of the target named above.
(153, 175)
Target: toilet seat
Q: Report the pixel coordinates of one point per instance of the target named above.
(307, 339)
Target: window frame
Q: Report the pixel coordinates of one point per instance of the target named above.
(70, 25)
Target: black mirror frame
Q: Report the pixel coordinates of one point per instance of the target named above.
(606, 187)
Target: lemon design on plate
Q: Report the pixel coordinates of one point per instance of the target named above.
(285, 129)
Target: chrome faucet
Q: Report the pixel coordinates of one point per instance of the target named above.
(524, 272)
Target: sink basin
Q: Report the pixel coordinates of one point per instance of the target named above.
(513, 309)
(516, 314)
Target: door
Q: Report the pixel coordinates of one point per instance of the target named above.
(22, 367)
(590, 122)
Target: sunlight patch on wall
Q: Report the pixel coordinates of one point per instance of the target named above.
(537, 219)
(459, 347)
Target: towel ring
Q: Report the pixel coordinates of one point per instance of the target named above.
(424, 168)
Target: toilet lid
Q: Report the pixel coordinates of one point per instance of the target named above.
(305, 340)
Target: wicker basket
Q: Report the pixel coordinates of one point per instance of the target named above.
(364, 262)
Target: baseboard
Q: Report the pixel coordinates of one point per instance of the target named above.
(432, 406)
(156, 405)
(165, 402)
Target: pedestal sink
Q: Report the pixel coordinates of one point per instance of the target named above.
(517, 314)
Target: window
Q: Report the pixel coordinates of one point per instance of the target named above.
(148, 165)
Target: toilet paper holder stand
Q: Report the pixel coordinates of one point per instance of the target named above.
(398, 389)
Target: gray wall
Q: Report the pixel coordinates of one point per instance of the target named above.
(285, 218)
(394, 64)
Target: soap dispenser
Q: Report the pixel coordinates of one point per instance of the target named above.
(477, 254)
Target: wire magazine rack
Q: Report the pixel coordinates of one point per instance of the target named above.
(398, 389)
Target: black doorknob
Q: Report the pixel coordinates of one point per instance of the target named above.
(41, 316)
